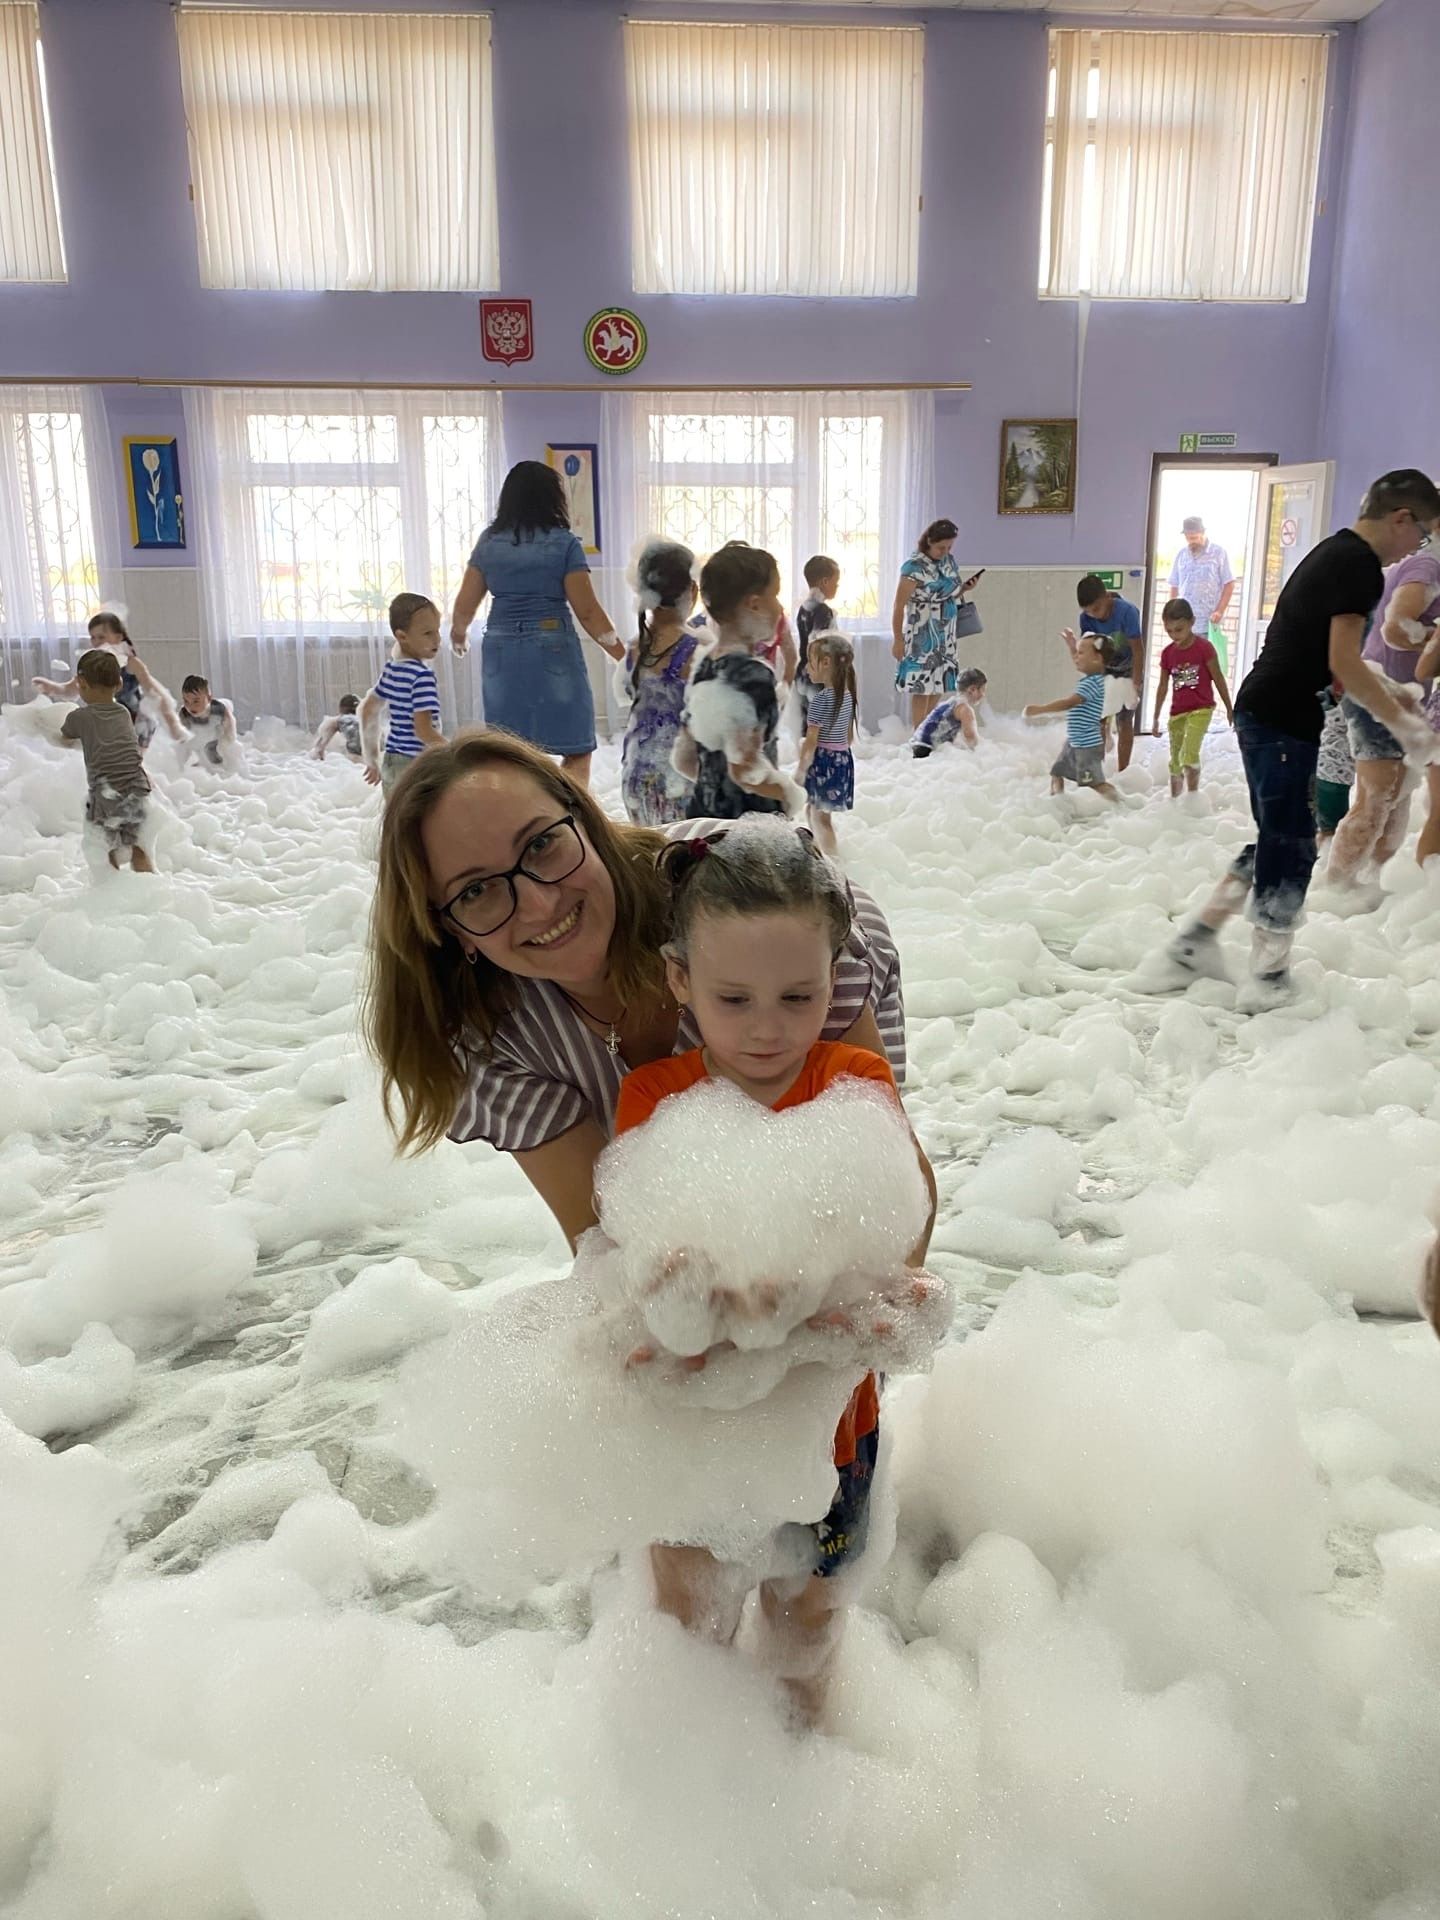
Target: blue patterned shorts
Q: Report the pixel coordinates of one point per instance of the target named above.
(826, 1546)
(830, 783)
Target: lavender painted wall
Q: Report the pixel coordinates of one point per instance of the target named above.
(134, 306)
(1383, 381)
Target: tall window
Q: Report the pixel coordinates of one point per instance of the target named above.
(801, 473)
(1181, 166)
(30, 242)
(49, 565)
(341, 149)
(774, 160)
(331, 504)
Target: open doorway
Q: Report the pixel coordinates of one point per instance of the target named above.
(1222, 493)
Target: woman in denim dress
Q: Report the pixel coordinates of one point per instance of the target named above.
(533, 678)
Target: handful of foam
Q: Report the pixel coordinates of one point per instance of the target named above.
(780, 1236)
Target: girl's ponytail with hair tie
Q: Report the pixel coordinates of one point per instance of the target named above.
(680, 859)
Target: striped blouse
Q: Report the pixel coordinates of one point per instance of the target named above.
(546, 1071)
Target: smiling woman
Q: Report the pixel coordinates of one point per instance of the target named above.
(516, 967)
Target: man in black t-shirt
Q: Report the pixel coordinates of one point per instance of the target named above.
(1315, 637)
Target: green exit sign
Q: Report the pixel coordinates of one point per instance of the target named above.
(1209, 442)
(1111, 578)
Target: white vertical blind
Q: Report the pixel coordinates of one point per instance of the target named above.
(774, 159)
(30, 243)
(341, 150)
(1183, 166)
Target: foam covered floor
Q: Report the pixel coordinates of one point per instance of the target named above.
(1159, 1634)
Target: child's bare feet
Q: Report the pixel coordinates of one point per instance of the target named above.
(140, 861)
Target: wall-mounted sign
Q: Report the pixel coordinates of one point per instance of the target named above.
(615, 340)
(1209, 442)
(1111, 578)
(506, 331)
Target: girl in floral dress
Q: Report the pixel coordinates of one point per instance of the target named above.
(657, 670)
(927, 603)
(827, 761)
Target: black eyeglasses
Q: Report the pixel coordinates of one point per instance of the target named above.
(482, 907)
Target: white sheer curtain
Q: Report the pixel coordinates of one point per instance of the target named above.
(341, 149)
(59, 527)
(851, 475)
(30, 244)
(774, 159)
(314, 509)
(1182, 166)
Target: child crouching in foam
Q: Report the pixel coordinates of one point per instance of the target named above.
(957, 718)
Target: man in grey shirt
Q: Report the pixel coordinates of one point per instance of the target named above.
(105, 733)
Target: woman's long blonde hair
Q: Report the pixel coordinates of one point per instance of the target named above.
(425, 1006)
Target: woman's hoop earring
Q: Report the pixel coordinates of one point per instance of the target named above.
(470, 958)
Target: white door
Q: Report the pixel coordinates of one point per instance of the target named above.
(1292, 513)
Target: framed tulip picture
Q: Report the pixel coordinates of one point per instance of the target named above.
(157, 505)
(576, 466)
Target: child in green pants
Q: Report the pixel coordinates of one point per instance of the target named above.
(1192, 666)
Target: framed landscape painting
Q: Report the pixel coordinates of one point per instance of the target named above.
(1037, 466)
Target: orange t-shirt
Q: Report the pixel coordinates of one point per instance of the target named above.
(827, 1061)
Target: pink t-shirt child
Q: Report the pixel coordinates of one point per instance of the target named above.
(1190, 669)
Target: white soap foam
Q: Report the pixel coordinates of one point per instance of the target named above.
(1158, 1631)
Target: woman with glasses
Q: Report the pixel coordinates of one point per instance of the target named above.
(533, 677)
(516, 969)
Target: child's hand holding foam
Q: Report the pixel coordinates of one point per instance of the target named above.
(713, 1268)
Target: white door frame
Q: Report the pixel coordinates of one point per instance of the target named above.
(1163, 463)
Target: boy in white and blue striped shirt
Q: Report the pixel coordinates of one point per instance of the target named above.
(1083, 761)
(408, 691)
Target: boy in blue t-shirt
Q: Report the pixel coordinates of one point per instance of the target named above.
(1083, 761)
(407, 689)
(1110, 617)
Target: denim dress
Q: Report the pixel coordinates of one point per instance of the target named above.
(533, 679)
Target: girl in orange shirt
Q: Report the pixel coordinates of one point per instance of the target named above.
(759, 917)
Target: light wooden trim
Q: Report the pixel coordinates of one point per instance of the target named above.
(497, 386)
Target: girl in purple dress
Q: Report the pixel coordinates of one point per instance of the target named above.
(657, 669)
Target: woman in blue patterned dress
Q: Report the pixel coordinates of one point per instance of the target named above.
(927, 603)
(657, 669)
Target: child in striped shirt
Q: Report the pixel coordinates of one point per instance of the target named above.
(1083, 761)
(407, 689)
(955, 719)
(827, 764)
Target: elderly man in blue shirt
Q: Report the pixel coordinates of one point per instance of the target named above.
(1202, 574)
